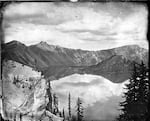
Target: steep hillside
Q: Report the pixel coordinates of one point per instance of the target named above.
(115, 68)
(24, 92)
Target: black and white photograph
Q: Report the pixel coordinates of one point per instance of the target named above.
(75, 61)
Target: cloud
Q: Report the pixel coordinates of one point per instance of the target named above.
(101, 38)
(89, 22)
(37, 19)
(101, 31)
(87, 26)
(40, 14)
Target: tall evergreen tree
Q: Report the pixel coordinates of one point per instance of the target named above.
(134, 108)
(79, 110)
(73, 118)
(1, 119)
(14, 117)
(148, 112)
(64, 114)
(143, 91)
(49, 93)
(60, 114)
(55, 102)
(20, 117)
(69, 105)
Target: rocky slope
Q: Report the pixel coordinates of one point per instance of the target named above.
(25, 97)
(114, 64)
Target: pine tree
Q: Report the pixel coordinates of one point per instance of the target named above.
(1, 118)
(55, 102)
(79, 110)
(20, 117)
(148, 105)
(130, 96)
(69, 105)
(49, 93)
(14, 118)
(134, 108)
(143, 91)
(74, 118)
(60, 114)
(64, 114)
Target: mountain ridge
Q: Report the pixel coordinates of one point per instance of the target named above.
(65, 61)
(45, 43)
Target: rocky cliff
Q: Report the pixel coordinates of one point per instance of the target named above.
(24, 95)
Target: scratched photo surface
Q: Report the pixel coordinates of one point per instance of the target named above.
(61, 56)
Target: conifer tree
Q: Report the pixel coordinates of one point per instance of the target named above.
(74, 118)
(63, 114)
(20, 117)
(79, 110)
(69, 105)
(134, 108)
(49, 93)
(143, 91)
(60, 114)
(55, 102)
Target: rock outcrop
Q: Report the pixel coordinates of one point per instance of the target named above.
(24, 103)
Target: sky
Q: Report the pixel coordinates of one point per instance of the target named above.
(88, 26)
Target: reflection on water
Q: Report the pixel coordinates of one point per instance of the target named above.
(98, 94)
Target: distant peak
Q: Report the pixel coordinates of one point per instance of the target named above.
(43, 43)
(133, 47)
(14, 42)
